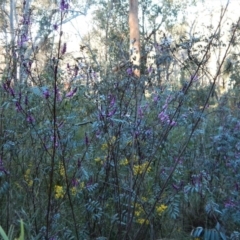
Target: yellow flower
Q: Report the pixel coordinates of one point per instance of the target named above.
(160, 209)
(124, 162)
(110, 143)
(142, 168)
(74, 191)
(82, 185)
(138, 210)
(61, 169)
(104, 146)
(142, 221)
(97, 160)
(137, 213)
(113, 140)
(59, 193)
(28, 178)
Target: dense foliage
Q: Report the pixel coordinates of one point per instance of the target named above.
(103, 154)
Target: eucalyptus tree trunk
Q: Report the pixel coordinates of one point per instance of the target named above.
(135, 53)
(12, 42)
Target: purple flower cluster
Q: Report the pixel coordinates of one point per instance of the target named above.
(55, 27)
(46, 93)
(141, 111)
(129, 72)
(71, 93)
(230, 204)
(111, 108)
(8, 88)
(164, 118)
(64, 5)
(30, 119)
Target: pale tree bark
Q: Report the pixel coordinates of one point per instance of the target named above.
(135, 51)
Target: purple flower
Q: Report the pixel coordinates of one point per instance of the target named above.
(150, 70)
(18, 106)
(155, 98)
(71, 93)
(26, 20)
(64, 48)
(60, 124)
(176, 187)
(30, 64)
(11, 91)
(140, 112)
(94, 75)
(59, 97)
(46, 94)
(194, 78)
(163, 117)
(111, 113)
(53, 238)
(229, 204)
(5, 87)
(112, 100)
(173, 123)
(30, 119)
(165, 106)
(75, 182)
(237, 127)
(55, 26)
(129, 71)
(54, 139)
(23, 39)
(64, 5)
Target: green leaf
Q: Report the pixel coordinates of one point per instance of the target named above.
(3, 234)
(196, 232)
(22, 230)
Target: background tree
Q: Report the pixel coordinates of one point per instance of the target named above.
(134, 34)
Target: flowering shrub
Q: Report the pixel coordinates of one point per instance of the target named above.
(117, 159)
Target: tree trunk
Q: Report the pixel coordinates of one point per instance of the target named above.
(135, 55)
